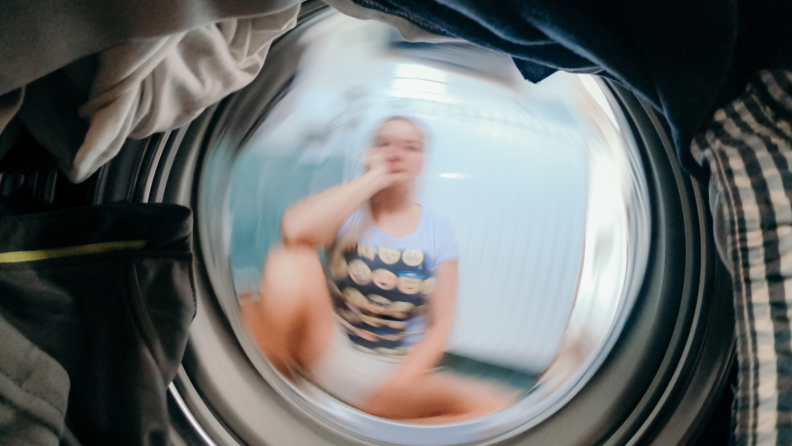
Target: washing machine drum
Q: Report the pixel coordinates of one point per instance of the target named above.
(588, 280)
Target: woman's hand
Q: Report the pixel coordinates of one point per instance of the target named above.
(393, 395)
(385, 171)
(398, 384)
(424, 356)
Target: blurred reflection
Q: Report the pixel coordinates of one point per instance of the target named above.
(409, 224)
(373, 340)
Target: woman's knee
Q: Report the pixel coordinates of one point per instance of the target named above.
(292, 268)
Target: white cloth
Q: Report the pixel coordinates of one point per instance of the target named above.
(146, 86)
(143, 88)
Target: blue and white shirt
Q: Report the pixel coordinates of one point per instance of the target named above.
(381, 284)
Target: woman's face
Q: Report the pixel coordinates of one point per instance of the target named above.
(401, 143)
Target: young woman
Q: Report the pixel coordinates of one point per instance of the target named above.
(370, 328)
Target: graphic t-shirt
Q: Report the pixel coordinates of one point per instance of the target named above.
(381, 285)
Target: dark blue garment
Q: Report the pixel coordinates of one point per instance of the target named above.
(686, 57)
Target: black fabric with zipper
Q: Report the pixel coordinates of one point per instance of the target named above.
(95, 304)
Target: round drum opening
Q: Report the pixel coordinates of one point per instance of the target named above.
(604, 311)
(542, 184)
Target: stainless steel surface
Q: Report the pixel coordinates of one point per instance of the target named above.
(196, 426)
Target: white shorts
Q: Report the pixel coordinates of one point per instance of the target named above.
(349, 374)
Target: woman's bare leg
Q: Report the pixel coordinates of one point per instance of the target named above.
(443, 398)
(292, 322)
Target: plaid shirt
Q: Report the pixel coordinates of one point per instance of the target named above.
(748, 147)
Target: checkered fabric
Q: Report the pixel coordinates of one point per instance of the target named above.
(748, 147)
